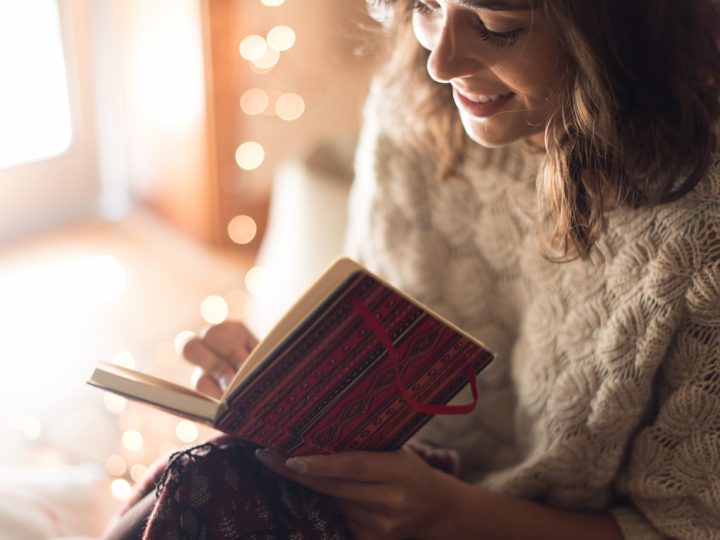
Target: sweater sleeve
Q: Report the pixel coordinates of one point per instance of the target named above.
(672, 477)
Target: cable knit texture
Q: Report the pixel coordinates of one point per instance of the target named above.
(605, 393)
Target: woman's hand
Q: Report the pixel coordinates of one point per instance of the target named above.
(382, 495)
(396, 495)
(218, 355)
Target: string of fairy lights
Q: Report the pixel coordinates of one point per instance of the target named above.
(128, 464)
(146, 434)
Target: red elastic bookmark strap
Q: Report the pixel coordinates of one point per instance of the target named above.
(427, 408)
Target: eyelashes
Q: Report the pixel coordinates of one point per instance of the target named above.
(501, 39)
(423, 8)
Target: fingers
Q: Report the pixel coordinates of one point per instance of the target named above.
(213, 365)
(207, 384)
(354, 466)
(218, 354)
(339, 489)
(231, 340)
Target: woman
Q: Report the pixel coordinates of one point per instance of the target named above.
(570, 219)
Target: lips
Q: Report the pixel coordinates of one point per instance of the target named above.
(480, 105)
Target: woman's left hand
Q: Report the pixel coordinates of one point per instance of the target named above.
(382, 495)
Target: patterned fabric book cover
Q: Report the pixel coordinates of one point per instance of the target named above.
(364, 371)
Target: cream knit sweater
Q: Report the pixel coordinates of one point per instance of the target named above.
(605, 391)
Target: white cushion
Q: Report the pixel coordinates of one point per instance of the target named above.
(306, 229)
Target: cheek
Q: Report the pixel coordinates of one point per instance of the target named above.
(425, 32)
(537, 78)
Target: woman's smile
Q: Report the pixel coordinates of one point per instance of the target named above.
(480, 105)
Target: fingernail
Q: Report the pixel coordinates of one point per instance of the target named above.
(297, 465)
(263, 456)
(225, 381)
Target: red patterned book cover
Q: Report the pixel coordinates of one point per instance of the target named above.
(354, 365)
(364, 371)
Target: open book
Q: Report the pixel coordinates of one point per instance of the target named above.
(354, 365)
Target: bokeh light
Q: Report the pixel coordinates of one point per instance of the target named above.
(132, 440)
(214, 309)
(137, 472)
(256, 280)
(249, 155)
(114, 403)
(290, 106)
(181, 339)
(254, 101)
(242, 229)
(186, 431)
(272, 3)
(281, 38)
(121, 489)
(253, 48)
(115, 465)
(267, 61)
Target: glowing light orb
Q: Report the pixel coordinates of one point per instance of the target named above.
(249, 155)
(114, 403)
(256, 280)
(290, 107)
(253, 48)
(214, 309)
(242, 229)
(132, 439)
(186, 431)
(121, 489)
(137, 472)
(281, 38)
(254, 101)
(181, 339)
(268, 60)
(115, 465)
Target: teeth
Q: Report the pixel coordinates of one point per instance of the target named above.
(487, 99)
(481, 98)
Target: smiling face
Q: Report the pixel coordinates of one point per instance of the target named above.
(502, 59)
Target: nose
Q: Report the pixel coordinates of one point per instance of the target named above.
(452, 56)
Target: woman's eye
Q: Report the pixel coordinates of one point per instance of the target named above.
(424, 8)
(497, 38)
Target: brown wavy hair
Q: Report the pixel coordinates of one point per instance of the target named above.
(638, 105)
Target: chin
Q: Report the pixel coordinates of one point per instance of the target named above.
(489, 140)
(493, 134)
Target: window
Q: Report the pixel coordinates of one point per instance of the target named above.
(48, 150)
(35, 118)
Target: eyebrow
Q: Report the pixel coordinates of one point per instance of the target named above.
(493, 5)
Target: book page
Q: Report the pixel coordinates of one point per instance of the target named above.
(155, 391)
(312, 298)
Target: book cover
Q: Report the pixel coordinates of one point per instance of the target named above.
(363, 369)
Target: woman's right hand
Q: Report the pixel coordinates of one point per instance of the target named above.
(218, 354)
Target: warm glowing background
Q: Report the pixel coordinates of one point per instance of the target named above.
(164, 165)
